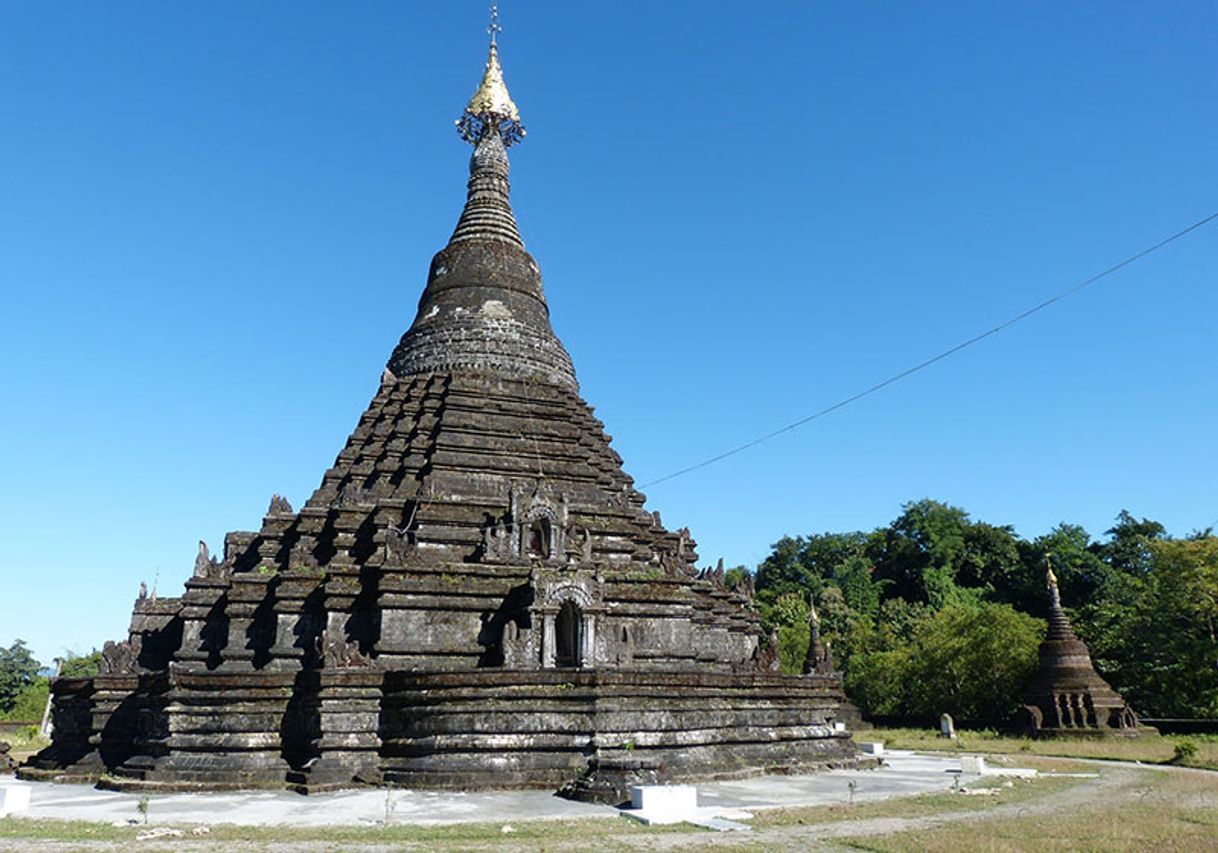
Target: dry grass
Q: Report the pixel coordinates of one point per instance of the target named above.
(1160, 811)
(1147, 749)
(1018, 791)
(563, 833)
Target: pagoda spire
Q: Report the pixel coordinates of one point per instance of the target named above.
(491, 123)
(483, 308)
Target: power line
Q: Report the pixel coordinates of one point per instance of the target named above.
(897, 377)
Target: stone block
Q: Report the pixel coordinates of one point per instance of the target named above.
(876, 749)
(973, 764)
(665, 803)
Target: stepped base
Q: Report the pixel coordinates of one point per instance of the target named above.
(591, 733)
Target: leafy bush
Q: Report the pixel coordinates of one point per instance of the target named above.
(1185, 750)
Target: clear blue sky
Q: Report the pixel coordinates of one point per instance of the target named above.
(216, 218)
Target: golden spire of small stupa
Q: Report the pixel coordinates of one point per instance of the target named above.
(491, 106)
(1055, 595)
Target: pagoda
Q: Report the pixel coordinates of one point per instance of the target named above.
(1067, 697)
(474, 597)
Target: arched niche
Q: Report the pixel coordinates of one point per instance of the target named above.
(569, 625)
(568, 635)
(538, 538)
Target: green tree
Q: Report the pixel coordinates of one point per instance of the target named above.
(30, 702)
(862, 593)
(1188, 572)
(787, 617)
(806, 564)
(919, 551)
(18, 669)
(1186, 587)
(971, 661)
(81, 666)
(735, 576)
(1130, 548)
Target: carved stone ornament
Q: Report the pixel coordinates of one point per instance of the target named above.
(766, 659)
(206, 566)
(279, 505)
(338, 653)
(716, 577)
(683, 539)
(497, 542)
(579, 544)
(519, 646)
(118, 658)
(400, 545)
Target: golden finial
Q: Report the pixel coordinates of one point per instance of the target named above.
(491, 106)
(1049, 576)
(492, 95)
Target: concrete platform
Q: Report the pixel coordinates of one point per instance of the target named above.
(905, 774)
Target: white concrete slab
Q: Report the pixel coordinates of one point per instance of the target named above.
(14, 799)
(904, 774)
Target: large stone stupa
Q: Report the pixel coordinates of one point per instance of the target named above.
(474, 596)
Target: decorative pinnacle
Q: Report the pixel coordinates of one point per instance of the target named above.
(491, 109)
(494, 29)
(1055, 595)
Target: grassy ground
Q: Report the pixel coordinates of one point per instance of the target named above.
(534, 835)
(1112, 807)
(999, 791)
(1156, 810)
(1149, 750)
(24, 744)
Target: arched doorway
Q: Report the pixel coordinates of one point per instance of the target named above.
(569, 630)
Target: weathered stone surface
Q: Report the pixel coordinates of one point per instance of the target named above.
(1068, 698)
(474, 596)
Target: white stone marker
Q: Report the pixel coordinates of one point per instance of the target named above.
(947, 727)
(872, 748)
